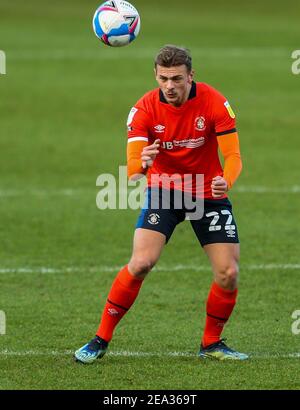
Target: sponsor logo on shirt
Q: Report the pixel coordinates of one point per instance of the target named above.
(132, 113)
(187, 143)
(229, 109)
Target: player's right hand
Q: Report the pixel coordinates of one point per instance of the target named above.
(149, 154)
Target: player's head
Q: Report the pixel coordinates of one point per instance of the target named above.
(174, 74)
(173, 56)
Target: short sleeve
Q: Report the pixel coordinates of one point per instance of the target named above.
(223, 115)
(138, 124)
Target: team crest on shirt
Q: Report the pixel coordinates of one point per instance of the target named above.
(200, 124)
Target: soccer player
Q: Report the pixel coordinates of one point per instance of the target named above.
(177, 129)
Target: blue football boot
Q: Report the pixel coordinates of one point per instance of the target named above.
(93, 350)
(219, 351)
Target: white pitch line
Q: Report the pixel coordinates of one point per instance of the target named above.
(145, 53)
(171, 268)
(69, 192)
(43, 192)
(294, 189)
(124, 353)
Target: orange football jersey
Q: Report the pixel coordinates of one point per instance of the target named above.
(188, 134)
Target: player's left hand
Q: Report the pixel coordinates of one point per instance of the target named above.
(218, 186)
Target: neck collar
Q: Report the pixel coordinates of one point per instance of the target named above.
(192, 94)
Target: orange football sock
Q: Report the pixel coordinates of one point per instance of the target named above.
(123, 293)
(220, 304)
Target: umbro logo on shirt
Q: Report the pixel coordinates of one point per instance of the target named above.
(159, 128)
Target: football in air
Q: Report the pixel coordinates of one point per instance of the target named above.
(116, 23)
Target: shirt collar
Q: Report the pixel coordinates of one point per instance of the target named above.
(192, 94)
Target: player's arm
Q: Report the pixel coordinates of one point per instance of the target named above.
(228, 143)
(230, 150)
(135, 146)
(140, 156)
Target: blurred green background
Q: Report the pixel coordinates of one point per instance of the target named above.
(63, 108)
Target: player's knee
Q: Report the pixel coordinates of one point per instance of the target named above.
(232, 272)
(228, 276)
(140, 266)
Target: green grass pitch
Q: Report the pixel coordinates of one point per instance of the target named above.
(63, 108)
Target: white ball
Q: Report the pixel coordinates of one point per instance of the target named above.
(116, 23)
